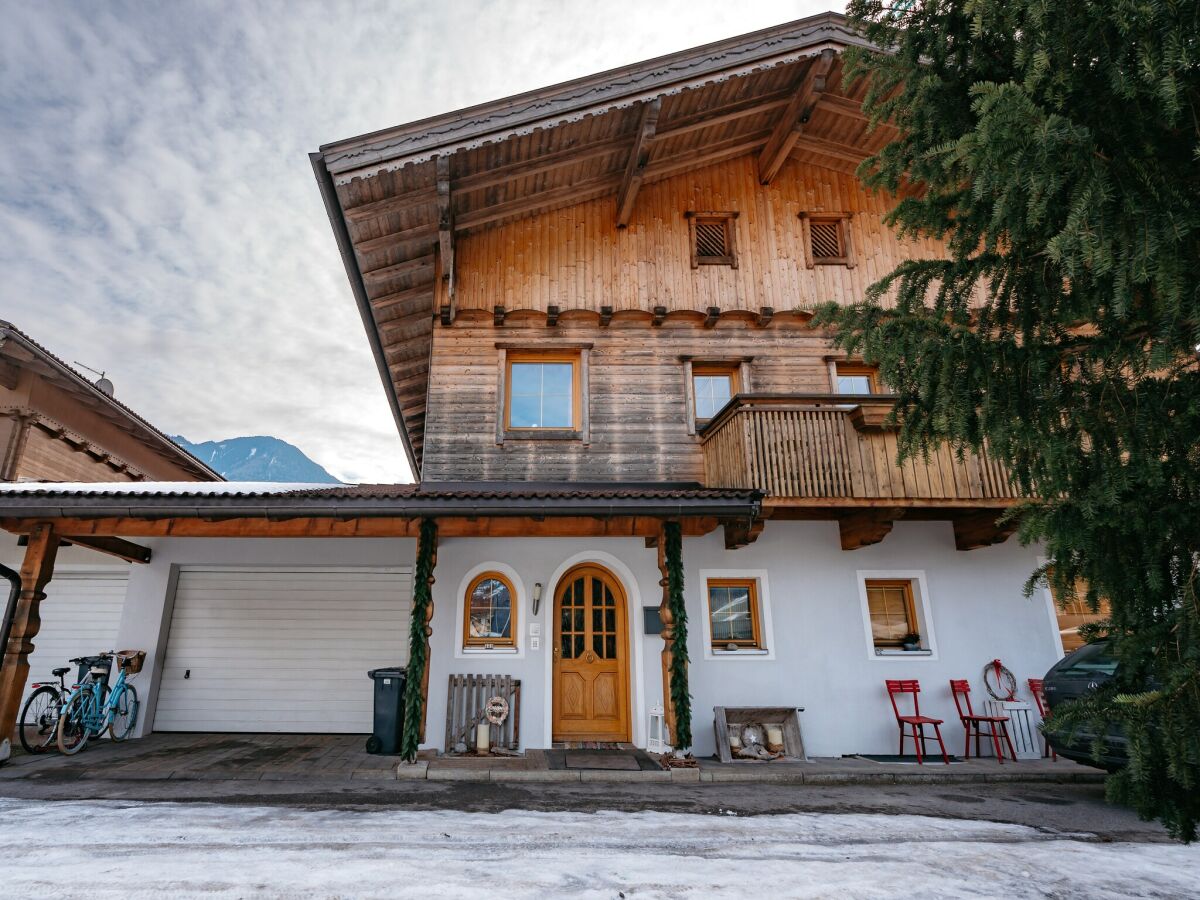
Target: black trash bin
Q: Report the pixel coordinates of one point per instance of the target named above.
(389, 710)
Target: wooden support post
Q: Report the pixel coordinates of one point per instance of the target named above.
(668, 636)
(428, 635)
(36, 572)
(795, 117)
(639, 155)
(113, 546)
(446, 228)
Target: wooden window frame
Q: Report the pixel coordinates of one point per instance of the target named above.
(839, 367)
(842, 220)
(728, 219)
(469, 641)
(577, 354)
(910, 610)
(755, 613)
(738, 367)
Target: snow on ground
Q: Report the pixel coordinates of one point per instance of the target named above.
(99, 849)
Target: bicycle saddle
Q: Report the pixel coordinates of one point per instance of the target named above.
(62, 671)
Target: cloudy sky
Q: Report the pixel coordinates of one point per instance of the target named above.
(158, 216)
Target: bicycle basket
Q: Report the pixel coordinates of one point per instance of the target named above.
(131, 660)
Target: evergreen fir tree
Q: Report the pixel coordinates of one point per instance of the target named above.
(1055, 146)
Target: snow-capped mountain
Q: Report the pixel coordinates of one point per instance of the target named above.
(257, 458)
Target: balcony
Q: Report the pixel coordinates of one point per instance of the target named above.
(829, 456)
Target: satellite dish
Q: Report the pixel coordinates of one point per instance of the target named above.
(105, 386)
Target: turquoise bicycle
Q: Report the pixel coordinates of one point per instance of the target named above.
(92, 708)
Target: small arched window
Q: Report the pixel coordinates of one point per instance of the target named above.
(490, 612)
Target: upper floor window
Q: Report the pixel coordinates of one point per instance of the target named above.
(827, 239)
(543, 391)
(712, 387)
(855, 378)
(490, 619)
(712, 238)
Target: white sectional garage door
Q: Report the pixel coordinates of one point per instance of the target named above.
(80, 617)
(281, 649)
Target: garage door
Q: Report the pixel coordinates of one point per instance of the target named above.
(281, 649)
(80, 617)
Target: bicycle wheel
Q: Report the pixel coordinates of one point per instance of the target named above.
(124, 714)
(38, 724)
(73, 732)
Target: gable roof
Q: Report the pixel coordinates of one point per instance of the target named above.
(33, 355)
(397, 198)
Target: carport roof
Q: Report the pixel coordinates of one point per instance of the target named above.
(187, 499)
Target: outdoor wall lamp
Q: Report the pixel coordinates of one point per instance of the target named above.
(537, 597)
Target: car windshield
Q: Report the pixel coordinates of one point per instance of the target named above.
(1090, 660)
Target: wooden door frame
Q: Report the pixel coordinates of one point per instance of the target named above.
(623, 598)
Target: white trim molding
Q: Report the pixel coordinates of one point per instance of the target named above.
(517, 651)
(765, 630)
(924, 608)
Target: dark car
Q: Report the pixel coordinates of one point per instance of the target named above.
(1081, 672)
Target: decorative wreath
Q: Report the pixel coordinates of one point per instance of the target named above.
(496, 710)
(999, 681)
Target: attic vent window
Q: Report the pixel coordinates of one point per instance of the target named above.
(712, 238)
(827, 240)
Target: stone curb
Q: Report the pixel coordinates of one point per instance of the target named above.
(421, 771)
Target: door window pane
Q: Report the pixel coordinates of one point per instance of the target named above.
(541, 395)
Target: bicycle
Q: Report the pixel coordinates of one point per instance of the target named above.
(88, 713)
(37, 725)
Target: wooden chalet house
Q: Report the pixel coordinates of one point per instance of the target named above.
(590, 309)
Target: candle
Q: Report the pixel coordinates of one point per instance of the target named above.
(774, 738)
(735, 741)
(483, 737)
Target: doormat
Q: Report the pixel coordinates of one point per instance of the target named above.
(612, 760)
(907, 760)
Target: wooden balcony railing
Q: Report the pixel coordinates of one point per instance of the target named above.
(831, 450)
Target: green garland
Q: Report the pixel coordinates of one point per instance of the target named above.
(681, 699)
(418, 642)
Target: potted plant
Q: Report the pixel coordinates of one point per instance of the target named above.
(911, 641)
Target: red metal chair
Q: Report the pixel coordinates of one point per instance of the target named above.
(997, 725)
(1037, 688)
(916, 721)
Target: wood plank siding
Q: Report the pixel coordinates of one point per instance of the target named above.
(574, 258)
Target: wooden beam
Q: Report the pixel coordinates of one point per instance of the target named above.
(536, 202)
(113, 546)
(552, 313)
(606, 314)
(408, 267)
(847, 152)
(425, 231)
(401, 203)
(719, 115)
(765, 315)
(9, 374)
(711, 316)
(446, 228)
(842, 106)
(742, 532)
(36, 572)
(639, 155)
(660, 316)
(498, 315)
(445, 316)
(866, 527)
(703, 156)
(981, 530)
(451, 525)
(546, 162)
(420, 292)
(794, 117)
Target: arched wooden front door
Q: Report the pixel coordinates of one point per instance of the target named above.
(591, 657)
